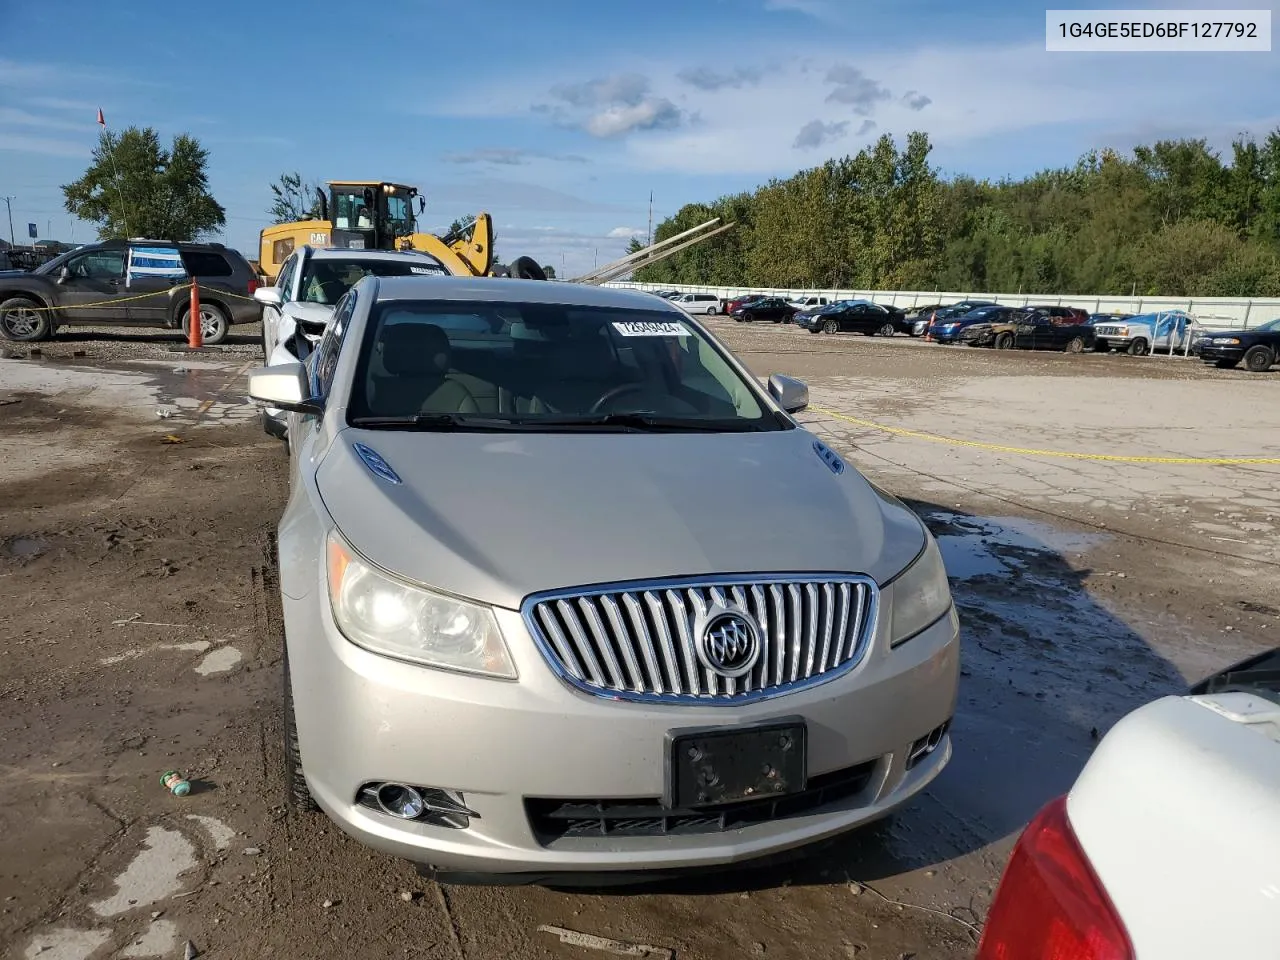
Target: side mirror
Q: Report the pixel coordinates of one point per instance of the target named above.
(269, 295)
(792, 395)
(422, 204)
(64, 275)
(284, 385)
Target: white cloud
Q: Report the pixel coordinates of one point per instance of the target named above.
(653, 114)
(625, 233)
(611, 106)
(752, 131)
(820, 9)
(19, 143)
(12, 116)
(815, 133)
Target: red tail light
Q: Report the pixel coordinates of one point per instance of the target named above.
(253, 285)
(1050, 905)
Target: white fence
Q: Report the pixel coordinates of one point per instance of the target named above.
(1213, 313)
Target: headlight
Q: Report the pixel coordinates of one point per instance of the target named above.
(921, 595)
(398, 620)
(1227, 340)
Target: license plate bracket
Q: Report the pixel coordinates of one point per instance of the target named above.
(714, 766)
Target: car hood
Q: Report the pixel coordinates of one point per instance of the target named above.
(1214, 334)
(496, 517)
(310, 314)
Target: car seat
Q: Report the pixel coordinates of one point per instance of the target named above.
(414, 378)
(562, 373)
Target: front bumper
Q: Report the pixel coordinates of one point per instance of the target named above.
(1212, 353)
(365, 718)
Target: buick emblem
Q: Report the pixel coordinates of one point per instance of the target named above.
(729, 644)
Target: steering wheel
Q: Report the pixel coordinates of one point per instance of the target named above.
(623, 389)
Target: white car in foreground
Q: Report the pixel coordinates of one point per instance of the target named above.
(311, 282)
(1167, 846)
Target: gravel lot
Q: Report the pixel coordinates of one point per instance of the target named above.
(139, 633)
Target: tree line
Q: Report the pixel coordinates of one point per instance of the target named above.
(1170, 219)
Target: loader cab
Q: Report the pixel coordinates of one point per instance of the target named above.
(370, 216)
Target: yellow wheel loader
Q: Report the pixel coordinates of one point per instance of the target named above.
(374, 215)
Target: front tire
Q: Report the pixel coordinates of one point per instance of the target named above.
(1004, 341)
(298, 793)
(24, 321)
(1139, 348)
(1075, 345)
(214, 324)
(830, 326)
(887, 330)
(1259, 359)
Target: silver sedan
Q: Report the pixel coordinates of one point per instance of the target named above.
(566, 591)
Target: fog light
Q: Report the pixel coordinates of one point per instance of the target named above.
(401, 801)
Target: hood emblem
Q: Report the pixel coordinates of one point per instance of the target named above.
(729, 644)
(377, 466)
(829, 457)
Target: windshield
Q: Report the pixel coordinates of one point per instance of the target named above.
(1270, 326)
(545, 366)
(350, 211)
(327, 280)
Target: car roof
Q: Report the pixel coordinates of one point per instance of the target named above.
(345, 253)
(499, 289)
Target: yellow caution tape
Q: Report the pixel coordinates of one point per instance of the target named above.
(106, 304)
(1033, 452)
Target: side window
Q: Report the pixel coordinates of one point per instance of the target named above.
(206, 263)
(326, 356)
(162, 263)
(98, 265)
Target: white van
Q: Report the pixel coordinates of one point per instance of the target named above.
(707, 303)
(808, 303)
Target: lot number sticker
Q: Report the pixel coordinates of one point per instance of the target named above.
(651, 328)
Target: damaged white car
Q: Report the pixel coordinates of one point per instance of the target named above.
(311, 282)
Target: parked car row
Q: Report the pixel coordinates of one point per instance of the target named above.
(983, 323)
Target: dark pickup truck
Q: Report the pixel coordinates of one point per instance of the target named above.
(136, 283)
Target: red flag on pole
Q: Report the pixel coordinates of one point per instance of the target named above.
(100, 120)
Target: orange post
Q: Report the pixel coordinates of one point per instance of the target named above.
(195, 335)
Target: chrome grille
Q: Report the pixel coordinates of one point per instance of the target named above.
(638, 641)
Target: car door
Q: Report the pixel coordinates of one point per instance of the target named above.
(151, 272)
(1046, 333)
(859, 318)
(94, 280)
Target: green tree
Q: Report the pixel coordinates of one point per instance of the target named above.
(1167, 218)
(549, 270)
(294, 199)
(135, 187)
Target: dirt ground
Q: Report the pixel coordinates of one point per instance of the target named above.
(139, 633)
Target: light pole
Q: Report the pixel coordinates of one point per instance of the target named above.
(9, 206)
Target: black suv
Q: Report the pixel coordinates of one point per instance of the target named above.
(137, 283)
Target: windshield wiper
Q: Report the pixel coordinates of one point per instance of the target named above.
(643, 422)
(436, 422)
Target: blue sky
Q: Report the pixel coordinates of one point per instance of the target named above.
(560, 117)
